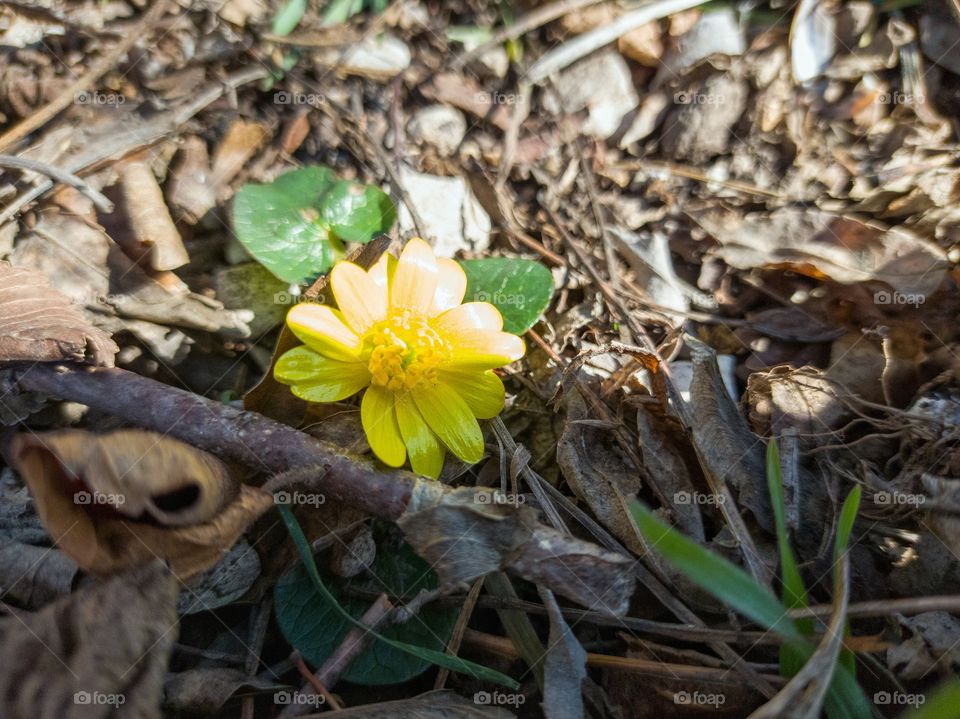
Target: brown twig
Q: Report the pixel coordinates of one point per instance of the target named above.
(459, 629)
(537, 553)
(504, 647)
(62, 176)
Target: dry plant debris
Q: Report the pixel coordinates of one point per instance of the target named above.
(698, 264)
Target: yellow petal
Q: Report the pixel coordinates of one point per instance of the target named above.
(451, 285)
(450, 418)
(383, 271)
(324, 330)
(426, 452)
(316, 378)
(415, 281)
(482, 391)
(471, 316)
(379, 420)
(361, 300)
(484, 349)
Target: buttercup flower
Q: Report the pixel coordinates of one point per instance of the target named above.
(425, 359)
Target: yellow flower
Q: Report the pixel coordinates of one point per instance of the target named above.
(425, 359)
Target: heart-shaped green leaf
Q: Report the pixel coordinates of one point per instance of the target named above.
(357, 213)
(315, 628)
(280, 225)
(520, 289)
(294, 225)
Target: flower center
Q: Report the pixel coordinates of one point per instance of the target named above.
(403, 350)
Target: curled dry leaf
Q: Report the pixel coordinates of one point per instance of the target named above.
(464, 534)
(38, 324)
(118, 500)
(65, 668)
(149, 217)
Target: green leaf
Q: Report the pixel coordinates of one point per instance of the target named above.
(357, 213)
(289, 17)
(301, 617)
(294, 225)
(721, 578)
(280, 226)
(520, 289)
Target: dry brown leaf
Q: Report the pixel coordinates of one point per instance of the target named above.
(101, 652)
(38, 324)
(31, 577)
(189, 187)
(465, 533)
(205, 691)
(242, 141)
(824, 245)
(598, 472)
(118, 500)
(148, 217)
(83, 262)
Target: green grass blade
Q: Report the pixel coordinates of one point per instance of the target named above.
(794, 592)
(724, 580)
(738, 589)
(454, 664)
(845, 698)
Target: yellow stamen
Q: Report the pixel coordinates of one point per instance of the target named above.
(403, 350)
